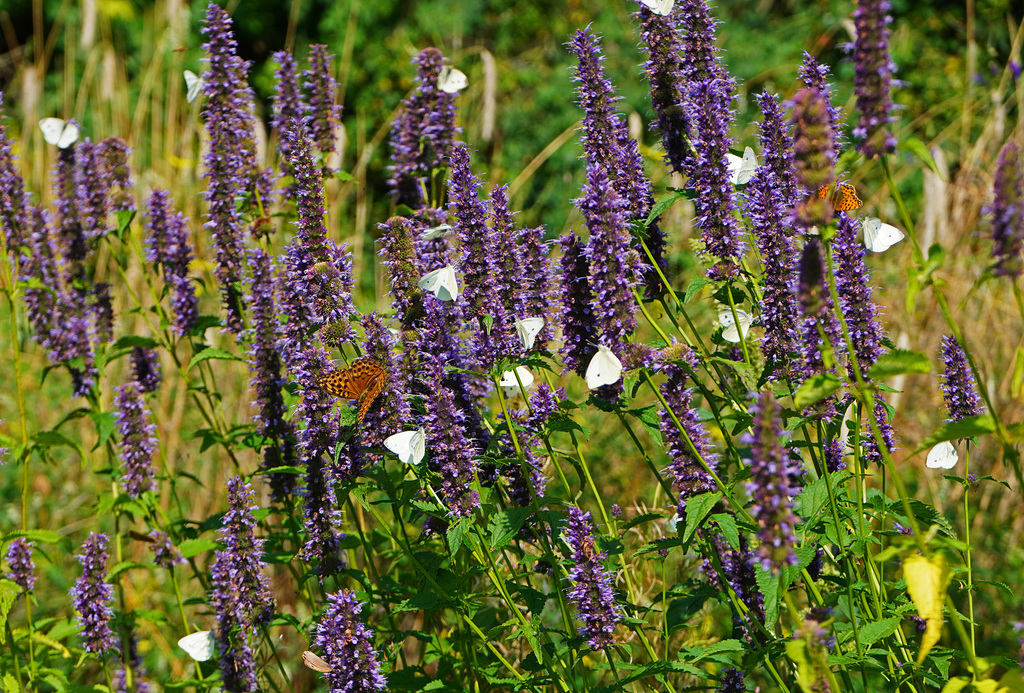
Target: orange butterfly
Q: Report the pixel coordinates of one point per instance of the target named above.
(362, 381)
(844, 197)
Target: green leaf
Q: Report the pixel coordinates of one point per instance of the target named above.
(689, 605)
(927, 578)
(641, 519)
(899, 362)
(504, 526)
(727, 523)
(36, 536)
(9, 591)
(694, 287)
(212, 353)
(131, 341)
(815, 389)
(648, 416)
(344, 176)
(871, 633)
(954, 430)
(193, 547)
(711, 651)
(124, 220)
(53, 439)
(105, 422)
(122, 567)
(919, 149)
(769, 586)
(663, 203)
(456, 534)
(697, 508)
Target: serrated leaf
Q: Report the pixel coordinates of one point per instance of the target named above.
(663, 203)
(649, 418)
(456, 533)
(344, 176)
(697, 508)
(769, 586)
(694, 287)
(505, 525)
(124, 220)
(727, 525)
(212, 353)
(122, 567)
(131, 341)
(9, 591)
(105, 422)
(871, 633)
(37, 536)
(954, 430)
(899, 362)
(641, 519)
(191, 548)
(815, 389)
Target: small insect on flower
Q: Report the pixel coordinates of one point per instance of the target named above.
(363, 381)
(843, 197)
(410, 446)
(59, 133)
(200, 645)
(193, 85)
(879, 236)
(315, 663)
(451, 80)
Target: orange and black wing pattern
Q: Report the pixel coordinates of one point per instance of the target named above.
(363, 381)
(843, 197)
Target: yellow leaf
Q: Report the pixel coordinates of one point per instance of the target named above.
(927, 579)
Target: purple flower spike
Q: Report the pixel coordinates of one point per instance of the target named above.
(470, 214)
(959, 388)
(601, 120)
(23, 568)
(399, 257)
(661, 39)
(115, 152)
(815, 76)
(267, 379)
(92, 187)
(347, 646)
(772, 486)
(322, 86)
(15, 212)
(814, 155)
(422, 135)
(93, 596)
(296, 144)
(777, 149)
(731, 681)
(738, 570)
(146, 369)
(1007, 210)
(41, 265)
(591, 591)
(167, 246)
(819, 328)
(873, 76)
(579, 325)
(138, 443)
(854, 292)
(288, 103)
(452, 452)
(230, 162)
(612, 262)
(165, 554)
(688, 475)
(537, 296)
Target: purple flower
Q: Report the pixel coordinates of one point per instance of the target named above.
(288, 104)
(422, 135)
(398, 253)
(769, 218)
(591, 590)
(579, 325)
(146, 369)
(167, 246)
(688, 475)
(115, 152)
(771, 486)
(731, 681)
(700, 59)
(819, 329)
(854, 292)
(453, 454)
(959, 389)
(165, 554)
(872, 77)
(308, 189)
(319, 79)
(92, 187)
(138, 443)
(23, 568)
(470, 226)
(833, 454)
(92, 597)
(814, 155)
(537, 296)
(41, 264)
(102, 310)
(347, 646)
(814, 75)
(230, 161)
(1007, 210)
(392, 410)
(15, 212)
(777, 149)
(612, 262)
(267, 379)
(739, 574)
(660, 36)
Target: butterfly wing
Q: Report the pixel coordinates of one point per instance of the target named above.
(193, 84)
(879, 237)
(442, 283)
(528, 329)
(452, 80)
(845, 199)
(942, 456)
(604, 369)
(59, 133)
(315, 663)
(200, 646)
(410, 446)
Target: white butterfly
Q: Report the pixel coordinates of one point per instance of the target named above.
(731, 333)
(442, 283)
(58, 132)
(604, 369)
(509, 384)
(315, 663)
(528, 329)
(442, 231)
(942, 456)
(194, 85)
(879, 237)
(451, 80)
(410, 446)
(741, 170)
(662, 7)
(200, 646)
